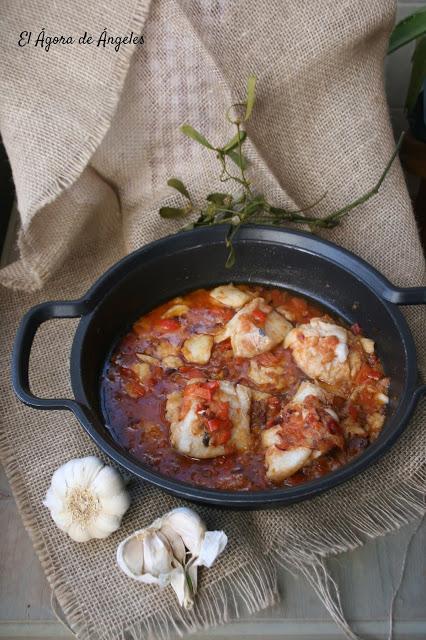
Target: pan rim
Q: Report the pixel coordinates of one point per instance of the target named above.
(262, 498)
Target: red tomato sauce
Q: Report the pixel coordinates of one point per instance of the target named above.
(135, 411)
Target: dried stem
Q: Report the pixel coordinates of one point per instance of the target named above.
(251, 207)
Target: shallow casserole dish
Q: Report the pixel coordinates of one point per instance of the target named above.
(302, 263)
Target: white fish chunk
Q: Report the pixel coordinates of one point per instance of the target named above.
(289, 315)
(188, 433)
(198, 348)
(372, 424)
(271, 375)
(248, 339)
(320, 349)
(308, 428)
(284, 464)
(306, 389)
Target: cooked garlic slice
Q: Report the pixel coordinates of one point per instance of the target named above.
(367, 345)
(198, 348)
(142, 370)
(175, 311)
(230, 296)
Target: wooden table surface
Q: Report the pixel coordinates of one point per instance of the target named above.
(366, 576)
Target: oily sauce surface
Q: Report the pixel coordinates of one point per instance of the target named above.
(135, 411)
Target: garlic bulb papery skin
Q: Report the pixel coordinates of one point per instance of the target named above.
(87, 499)
(170, 551)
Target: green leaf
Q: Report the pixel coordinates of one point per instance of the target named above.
(410, 28)
(418, 74)
(235, 157)
(173, 212)
(218, 198)
(179, 186)
(233, 143)
(251, 86)
(195, 135)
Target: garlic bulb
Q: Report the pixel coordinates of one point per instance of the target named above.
(87, 499)
(170, 551)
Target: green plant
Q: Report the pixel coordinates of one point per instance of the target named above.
(248, 206)
(413, 27)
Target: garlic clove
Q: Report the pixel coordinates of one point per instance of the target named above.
(78, 532)
(181, 586)
(82, 471)
(53, 500)
(59, 485)
(102, 525)
(132, 555)
(188, 525)
(170, 552)
(213, 544)
(108, 482)
(127, 555)
(157, 554)
(61, 516)
(115, 505)
(175, 542)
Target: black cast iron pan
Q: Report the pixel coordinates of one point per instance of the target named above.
(303, 263)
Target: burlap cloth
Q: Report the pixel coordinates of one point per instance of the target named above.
(92, 136)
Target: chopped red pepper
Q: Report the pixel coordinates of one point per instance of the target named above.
(135, 389)
(268, 359)
(214, 424)
(221, 437)
(203, 390)
(259, 316)
(191, 372)
(213, 385)
(168, 324)
(353, 412)
(220, 409)
(273, 401)
(186, 405)
(367, 372)
(224, 346)
(333, 426)
(199, 391)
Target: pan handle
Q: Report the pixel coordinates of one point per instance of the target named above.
(22, 350)
(419, 393)
(408, 296)
(405, 295)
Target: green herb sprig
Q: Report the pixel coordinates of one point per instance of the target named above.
(248, 206)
